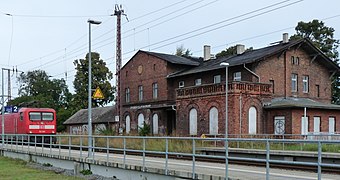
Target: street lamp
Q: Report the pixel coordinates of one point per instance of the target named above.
(2, 110)
(226, 117)
(89, 125)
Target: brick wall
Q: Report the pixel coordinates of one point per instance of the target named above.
(277, 67)
(144, 70)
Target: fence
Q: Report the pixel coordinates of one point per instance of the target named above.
(168, 147)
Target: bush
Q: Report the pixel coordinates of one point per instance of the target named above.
(86, 172)
(145, 130)
(108, 131)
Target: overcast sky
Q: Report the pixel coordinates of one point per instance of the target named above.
(50, 35)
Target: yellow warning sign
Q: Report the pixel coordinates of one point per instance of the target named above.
(98, 94)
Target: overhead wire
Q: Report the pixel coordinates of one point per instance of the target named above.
(219, 27)
(81, 47)
(168, 14)
(236, 18)
(275, 4)
(167, 20)
(158, 10)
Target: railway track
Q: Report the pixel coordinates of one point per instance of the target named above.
(198, 158)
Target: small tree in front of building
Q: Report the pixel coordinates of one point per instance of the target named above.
(145, 130)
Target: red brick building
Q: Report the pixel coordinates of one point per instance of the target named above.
(280, 89)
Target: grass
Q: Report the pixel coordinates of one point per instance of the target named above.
(14, 169)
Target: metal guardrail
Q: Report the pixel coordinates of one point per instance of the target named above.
(165, 147)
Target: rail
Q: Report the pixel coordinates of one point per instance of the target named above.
(165, 147)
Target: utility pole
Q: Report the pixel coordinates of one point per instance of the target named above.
(118, 12)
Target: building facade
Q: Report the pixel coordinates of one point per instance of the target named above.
(280, 89)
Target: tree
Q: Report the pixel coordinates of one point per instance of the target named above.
(323, 38)
(101, 76)
(38, 90)
(230, 51)
(181, 51)
(321, 35)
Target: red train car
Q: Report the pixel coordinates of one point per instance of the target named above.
(33, 121)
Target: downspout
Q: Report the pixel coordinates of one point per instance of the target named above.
(173, 107)
(240, 113)
(305, 119)
(285, 74)
(252, 72)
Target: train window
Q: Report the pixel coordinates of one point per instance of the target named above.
(21, 116)
(34, 116)
(47, 116)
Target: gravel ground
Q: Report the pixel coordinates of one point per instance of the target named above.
(67, 172)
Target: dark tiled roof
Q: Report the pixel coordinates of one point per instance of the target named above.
(299, 103)
(174, 59)
(257, 55)
(99, 115)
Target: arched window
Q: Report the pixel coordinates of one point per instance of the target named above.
(193, 121)
(155, 123)
(127, 124)
(252, 120)
(140, 121)
(213, 121)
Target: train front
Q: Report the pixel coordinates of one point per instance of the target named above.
(39, 121)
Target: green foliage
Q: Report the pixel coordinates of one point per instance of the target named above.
(38, 90)
(19, 169)
(145, 130)
(101, 76)
(108, 131)
(86, 172)
(321, 35)
(181, 51)
(323, 38)
(230, 51)
(47, 165)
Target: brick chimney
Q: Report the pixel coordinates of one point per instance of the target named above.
(285, 38)
(206, 52)
(240, 48)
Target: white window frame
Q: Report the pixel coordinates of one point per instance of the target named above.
(140, 93)
(305, 84)
(331, 125)
(217, 79)
(237, 76)
(294, 82)
(141, 121)
(304, 125)
(155, 122)
(297, 60)
(181, 84)
(198, 82)
(193, 121)
(127, 124)
(154, 90)
(317, 121)
(213, 121)
(127, 95)
(252, 120)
